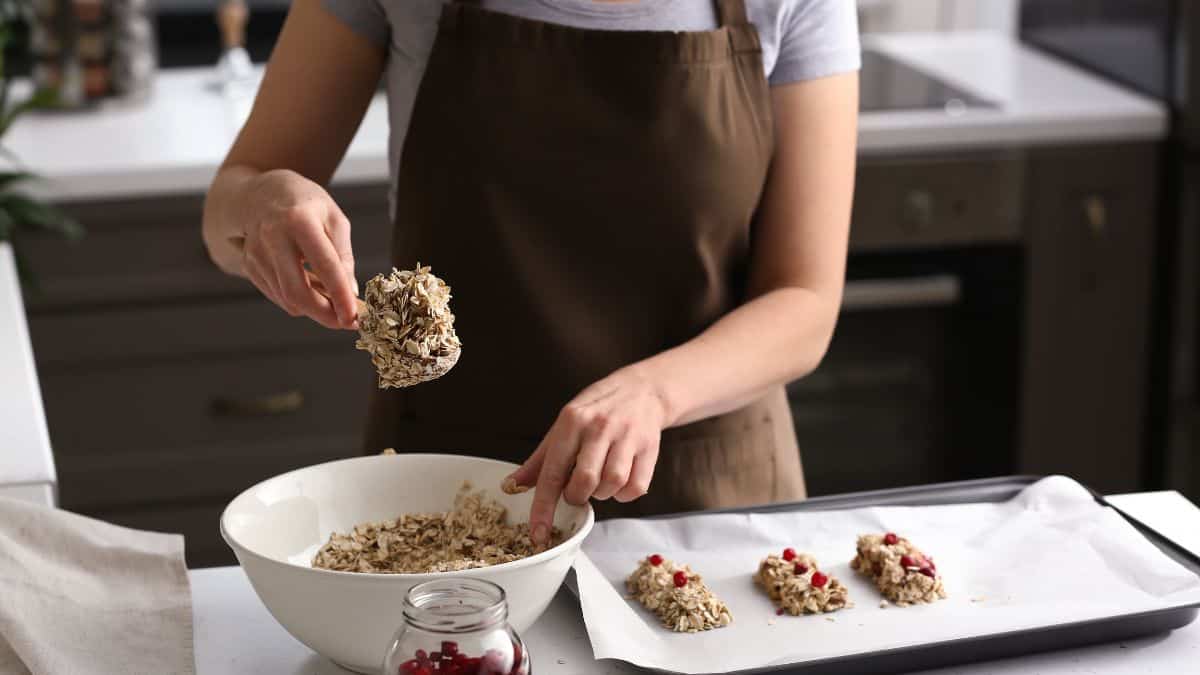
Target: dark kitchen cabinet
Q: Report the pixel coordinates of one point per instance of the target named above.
(1090, 238)
(169, 387)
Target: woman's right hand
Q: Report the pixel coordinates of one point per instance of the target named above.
(269, 226)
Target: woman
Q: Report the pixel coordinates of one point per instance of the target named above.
(645, 236)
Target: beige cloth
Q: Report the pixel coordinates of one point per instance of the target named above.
(83, 597)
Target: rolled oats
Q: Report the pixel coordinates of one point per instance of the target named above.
(475, 533)
(405, 324)
(687, 608)
(790, 585)
(901, 572)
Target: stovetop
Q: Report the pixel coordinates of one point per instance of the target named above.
(888, 84)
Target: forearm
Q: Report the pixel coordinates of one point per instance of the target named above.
(775, 338)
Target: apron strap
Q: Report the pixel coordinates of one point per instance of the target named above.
(731, 12)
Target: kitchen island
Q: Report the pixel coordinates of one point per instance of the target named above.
(236, 636)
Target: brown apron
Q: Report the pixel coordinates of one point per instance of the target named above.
(589, 196)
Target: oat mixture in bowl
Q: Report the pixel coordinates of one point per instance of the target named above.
(474, 533)
(277, 527)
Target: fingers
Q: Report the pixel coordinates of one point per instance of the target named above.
(318, 249)
(559, 453)
(640, 473)
(617, 467)
(338, 230)
(593, 449)
(527, 475)
(296, 287)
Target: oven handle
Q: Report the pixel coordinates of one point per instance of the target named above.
(901, 293)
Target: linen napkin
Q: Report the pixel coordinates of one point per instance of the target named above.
(83, 597)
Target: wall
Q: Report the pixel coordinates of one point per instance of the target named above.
(934, 15)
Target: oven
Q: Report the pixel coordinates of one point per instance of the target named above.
(920, 383)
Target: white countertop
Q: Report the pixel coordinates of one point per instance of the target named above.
(26, 465)
(174, 143)
(235, 635)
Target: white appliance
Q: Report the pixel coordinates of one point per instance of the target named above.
(26, 463)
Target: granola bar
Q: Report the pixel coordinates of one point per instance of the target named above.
(901, 572)
(797, 586)
(677, 595)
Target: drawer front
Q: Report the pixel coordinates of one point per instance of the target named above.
(147, 249)
(190, 425)
(198, 523)
(177, 331)
(930, 203)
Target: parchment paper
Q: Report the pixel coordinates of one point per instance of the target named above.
(1051, 555)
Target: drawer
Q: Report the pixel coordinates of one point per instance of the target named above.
(198, 523)
(150, 248)
(168, 418)
(176, 331)
(189, 473)
(930, 203)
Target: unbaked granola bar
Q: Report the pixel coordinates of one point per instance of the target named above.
(797, 586)
(901, 572)
(677, 595)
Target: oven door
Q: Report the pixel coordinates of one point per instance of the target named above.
(919, 383)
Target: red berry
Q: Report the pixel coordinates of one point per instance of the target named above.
(680, 579)
(789, 554)
(516, 666)
(907, 561)
(779, 612)
(435, 656)
(449, 648)
(409, 667)
(891, 539)
(800, 568)
(422, 655)
(450, 669)
(656, 560)
(928, 571)
(819, 580)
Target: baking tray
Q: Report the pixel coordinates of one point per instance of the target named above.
(985, 647)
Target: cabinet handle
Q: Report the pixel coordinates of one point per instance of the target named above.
(904, 293)
(1095, 209)
(918, 210)
(281, 403)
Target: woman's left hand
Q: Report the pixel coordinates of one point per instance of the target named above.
(604, 444)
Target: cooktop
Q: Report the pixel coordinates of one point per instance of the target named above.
(888, 84)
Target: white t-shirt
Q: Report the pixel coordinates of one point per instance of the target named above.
(801, 39)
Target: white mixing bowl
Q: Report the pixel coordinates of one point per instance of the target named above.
(277, 526)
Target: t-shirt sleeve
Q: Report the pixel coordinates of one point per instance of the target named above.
(817, 38)
(365, 17)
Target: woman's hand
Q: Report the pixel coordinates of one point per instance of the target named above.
(604, 444)
(274, 223)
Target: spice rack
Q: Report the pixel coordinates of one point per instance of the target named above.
(92, 51)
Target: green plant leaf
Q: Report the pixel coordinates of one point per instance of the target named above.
(27, 213)
(10, 178)
(8, 227)
(44, 98)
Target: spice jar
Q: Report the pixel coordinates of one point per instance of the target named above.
(457, 626)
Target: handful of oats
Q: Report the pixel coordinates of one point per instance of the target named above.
(475, 533)
(407, 327)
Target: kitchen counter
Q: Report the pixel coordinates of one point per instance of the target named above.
(174, 143)
(26, 465)
(235, 635)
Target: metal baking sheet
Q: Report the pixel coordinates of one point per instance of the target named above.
(987, 647)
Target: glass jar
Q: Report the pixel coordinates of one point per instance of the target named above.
(457, 626)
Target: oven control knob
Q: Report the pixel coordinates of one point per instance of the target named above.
(918, 210)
